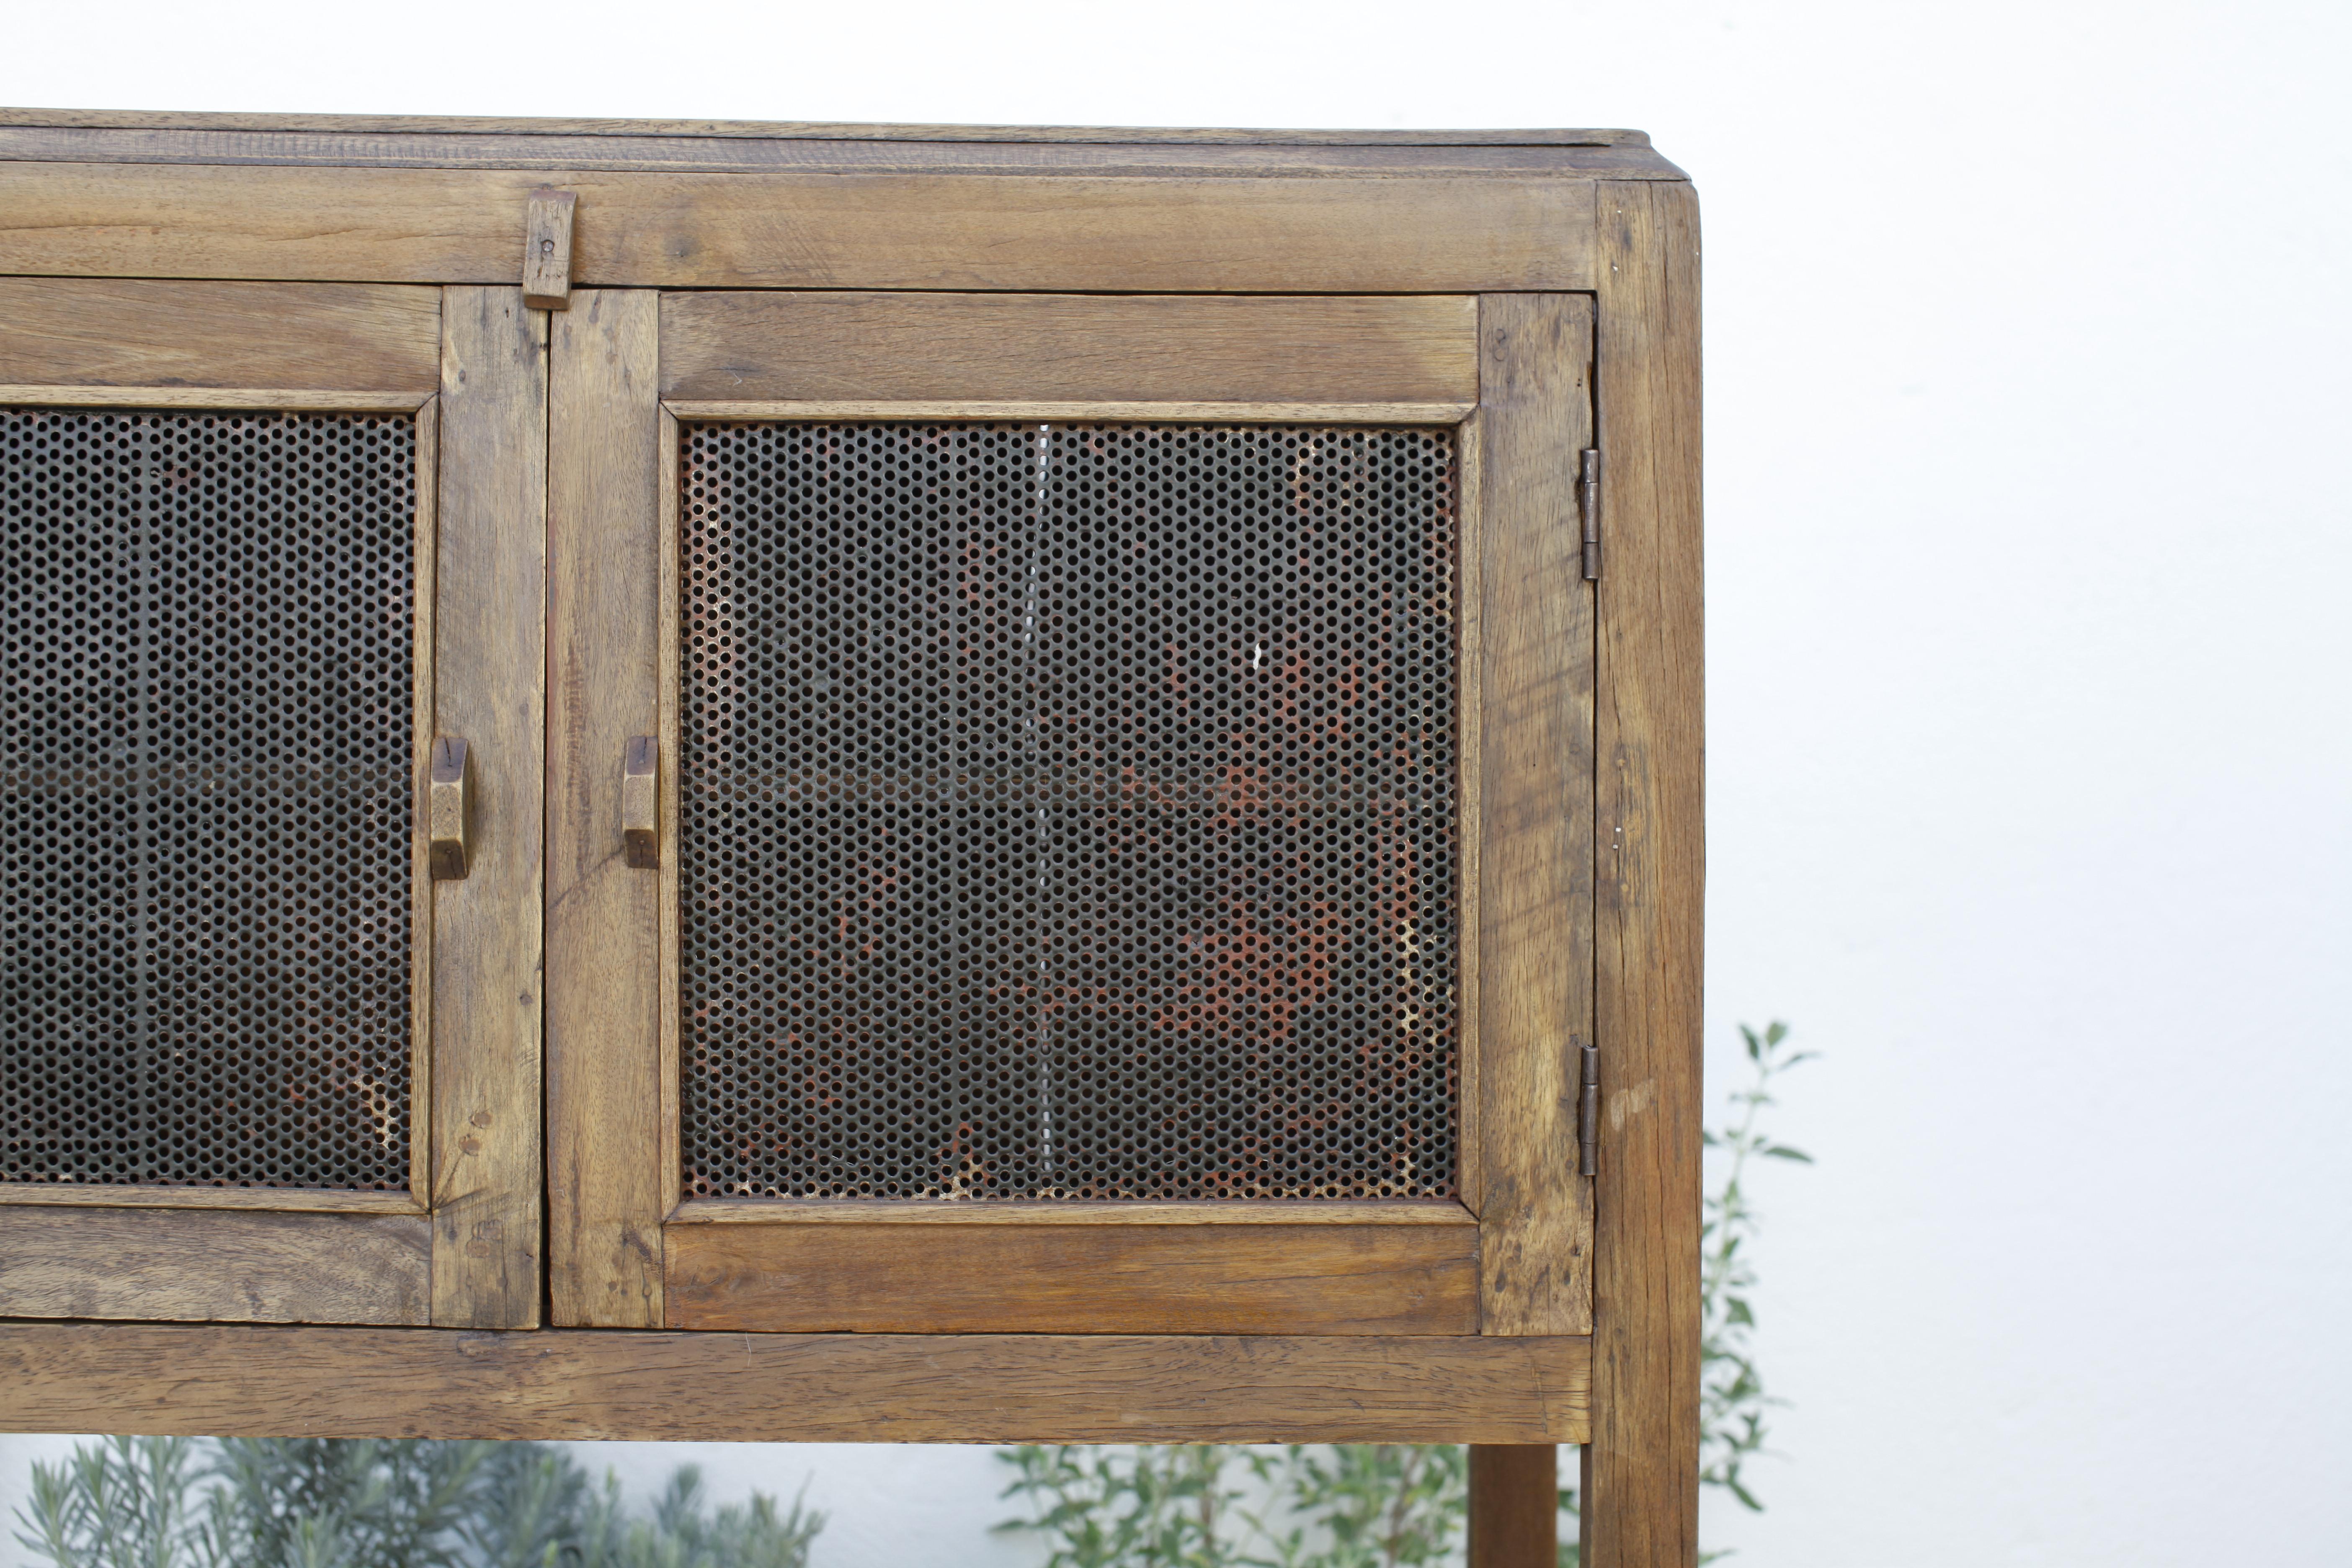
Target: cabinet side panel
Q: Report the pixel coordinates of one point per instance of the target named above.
(1641, 1504)
(490, 688)
(1534, 899)
(606, 1195)
(215, 1265)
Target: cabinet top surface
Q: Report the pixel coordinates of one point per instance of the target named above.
(730, 146)
(816, 130)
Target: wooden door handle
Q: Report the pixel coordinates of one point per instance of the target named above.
(641, 802)
(445, 808)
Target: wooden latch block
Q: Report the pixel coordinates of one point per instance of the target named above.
(641, 802)
(447, 810)
(547, 249)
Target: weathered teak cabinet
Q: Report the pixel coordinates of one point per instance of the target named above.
(828, 782)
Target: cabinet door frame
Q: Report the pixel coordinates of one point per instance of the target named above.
(248, 1254)
(630, 368)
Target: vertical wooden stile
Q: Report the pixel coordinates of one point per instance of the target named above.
(666, 645)
(605, 1202)
(1641, 1500)
(1535, 897)
(1469, 832)
(490, 688)
(421, 710)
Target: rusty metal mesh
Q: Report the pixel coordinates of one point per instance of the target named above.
(204, 797)
(1068, 812)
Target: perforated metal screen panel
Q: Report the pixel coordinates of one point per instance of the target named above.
(205, 831)
(1068, 812)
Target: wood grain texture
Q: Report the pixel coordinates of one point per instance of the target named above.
(668, 649)
(273, 399)
(427, 542)
(318, 337)
(893, 1211)
(1513, 1506)
(547, 249)
(805, 231)
(1046, 1280)
(1046, 348)
(1470, 837)
(606, 1196)
(404, 124)
(448, 809)
(591, 1383)
(215, 1264)
(279, 1200)
(1167, 413)
(752, 153)
(1642, 1502)
(490, 688)
(1534, 868)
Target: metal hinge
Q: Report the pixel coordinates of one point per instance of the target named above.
(1588, 1116)
(1588, 500)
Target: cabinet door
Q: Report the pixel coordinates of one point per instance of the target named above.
(1023, 770)
(249, 541)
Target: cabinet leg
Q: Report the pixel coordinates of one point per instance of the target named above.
(1513, 1505)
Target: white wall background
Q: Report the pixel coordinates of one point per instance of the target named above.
(2029, 555)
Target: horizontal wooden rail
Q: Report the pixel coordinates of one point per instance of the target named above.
(1083, 353)
(720, 408)
(280, 1200)
(558, 1384)
(895, 1278)
(1019, 1212)
(223, 1266)
(1406, 234)
(269, 399)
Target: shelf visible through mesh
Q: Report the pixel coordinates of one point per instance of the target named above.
(1068, 812)
(205, 798)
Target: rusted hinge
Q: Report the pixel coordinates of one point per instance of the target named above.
(547, 249)
(1588, 500)
(1588, 1116)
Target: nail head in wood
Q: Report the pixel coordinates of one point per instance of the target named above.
(640, 810)
(547, 249)
(445, 809)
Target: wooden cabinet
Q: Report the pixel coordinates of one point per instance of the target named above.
(1053, 779)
